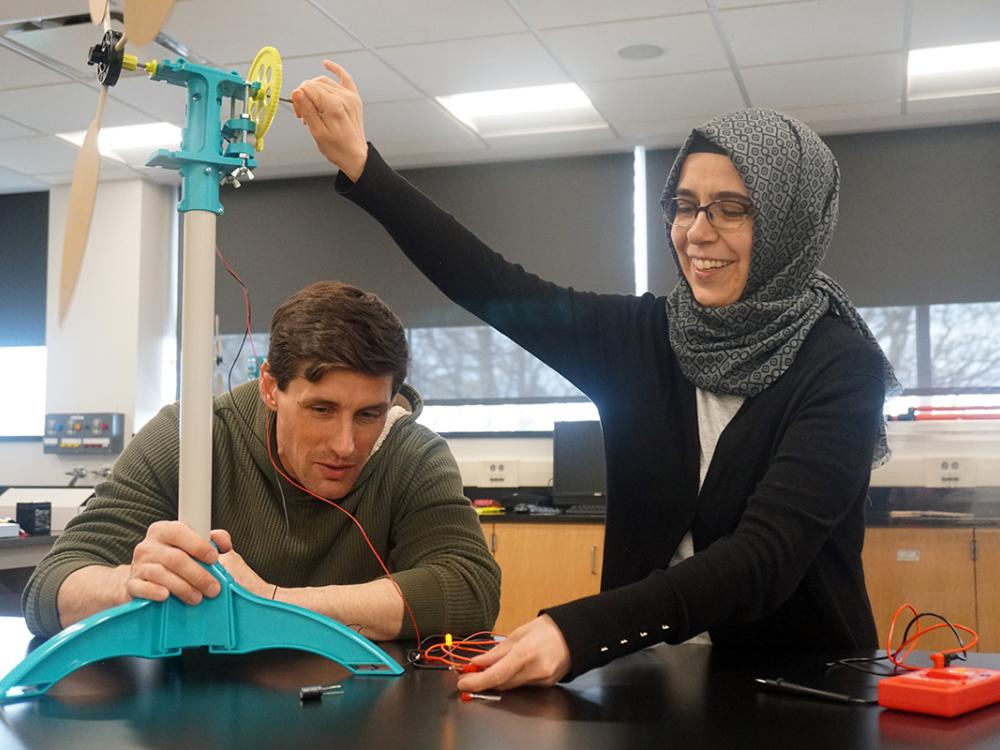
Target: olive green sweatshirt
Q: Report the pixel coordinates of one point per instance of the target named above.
(408, 498)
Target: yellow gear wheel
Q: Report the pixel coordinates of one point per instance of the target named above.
(266, 69)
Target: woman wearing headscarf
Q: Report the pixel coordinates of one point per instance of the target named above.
(741, 414)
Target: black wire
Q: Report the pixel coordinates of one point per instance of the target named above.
(906, 633)
(855, 662)
(243, 341)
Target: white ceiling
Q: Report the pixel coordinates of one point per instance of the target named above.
(839, 65)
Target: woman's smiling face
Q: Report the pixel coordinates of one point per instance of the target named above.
(715, 263)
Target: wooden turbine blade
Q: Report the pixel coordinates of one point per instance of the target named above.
(81, 208)
(143, 19)
(98, 11)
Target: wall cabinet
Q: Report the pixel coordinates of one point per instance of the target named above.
(544, 564)
(949, 571)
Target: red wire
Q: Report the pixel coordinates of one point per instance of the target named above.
(907, 646)
(267, 430)
(246, 298)
(451, 654)
(270, 455)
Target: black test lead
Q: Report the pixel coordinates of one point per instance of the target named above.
(782, 686)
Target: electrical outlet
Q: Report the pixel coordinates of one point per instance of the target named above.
(950, 472)
(498, 473)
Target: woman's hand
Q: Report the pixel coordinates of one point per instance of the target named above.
(534, 654)
(333, 112)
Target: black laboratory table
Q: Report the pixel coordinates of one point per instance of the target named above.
(689, 696)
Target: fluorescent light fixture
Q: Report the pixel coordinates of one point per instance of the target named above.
(959, 70)
(533, 110)
(121, 143)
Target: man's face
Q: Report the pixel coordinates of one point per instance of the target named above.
(325, 430)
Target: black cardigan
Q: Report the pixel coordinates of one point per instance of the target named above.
(778, 524)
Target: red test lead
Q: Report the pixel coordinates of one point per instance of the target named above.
(466, 697)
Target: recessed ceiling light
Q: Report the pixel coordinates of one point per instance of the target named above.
(116, 143)
(959, 70)
(525, 111)
(640, 51)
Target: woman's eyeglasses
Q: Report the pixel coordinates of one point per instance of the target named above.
(724, 214)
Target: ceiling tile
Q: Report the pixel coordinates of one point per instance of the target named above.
(109, 173)
(938, 24)
(551, 13)
(975, 107)
(820, 83)
(70, 46)
(429, 151)
(661, 133)
(376, 81)
(812, 30)
(160, 100)
(701, 95)
(836, 63)
(10, 129)
(23, 10)
(15, 182)
(286, 134)
(272, 163)
(590, 53)
(37, 155)
(492, 63)
(836, 117)
(723, 4)
(560, 138)
(426, 21)
(65, 108)
(20, 72)
(222, 31)
(413, 121)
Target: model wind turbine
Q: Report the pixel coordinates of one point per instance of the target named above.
(212, 152)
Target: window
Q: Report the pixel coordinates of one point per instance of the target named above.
(944, 355)
(22, 383)
(474, 379)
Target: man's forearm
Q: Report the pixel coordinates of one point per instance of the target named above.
(89, 590)
(374, 609)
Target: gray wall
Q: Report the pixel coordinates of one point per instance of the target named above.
(568, 220)
(919, 217)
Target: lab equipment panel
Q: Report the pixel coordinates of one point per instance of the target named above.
(94, 433)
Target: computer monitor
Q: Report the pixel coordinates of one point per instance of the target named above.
(578, 469)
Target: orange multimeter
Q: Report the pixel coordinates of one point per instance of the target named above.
(941, 691)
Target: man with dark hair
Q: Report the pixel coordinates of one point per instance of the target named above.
(328, 432)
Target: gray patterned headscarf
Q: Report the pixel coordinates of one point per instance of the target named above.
(794, 184)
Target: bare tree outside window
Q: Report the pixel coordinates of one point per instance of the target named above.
(895, 328)
(476, 363)
(965, 345)
(484, 370)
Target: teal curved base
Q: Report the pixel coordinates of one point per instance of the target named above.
(234, 622)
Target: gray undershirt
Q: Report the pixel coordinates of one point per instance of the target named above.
(715, 412)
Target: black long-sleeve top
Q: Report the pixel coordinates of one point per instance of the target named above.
(778, 524)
